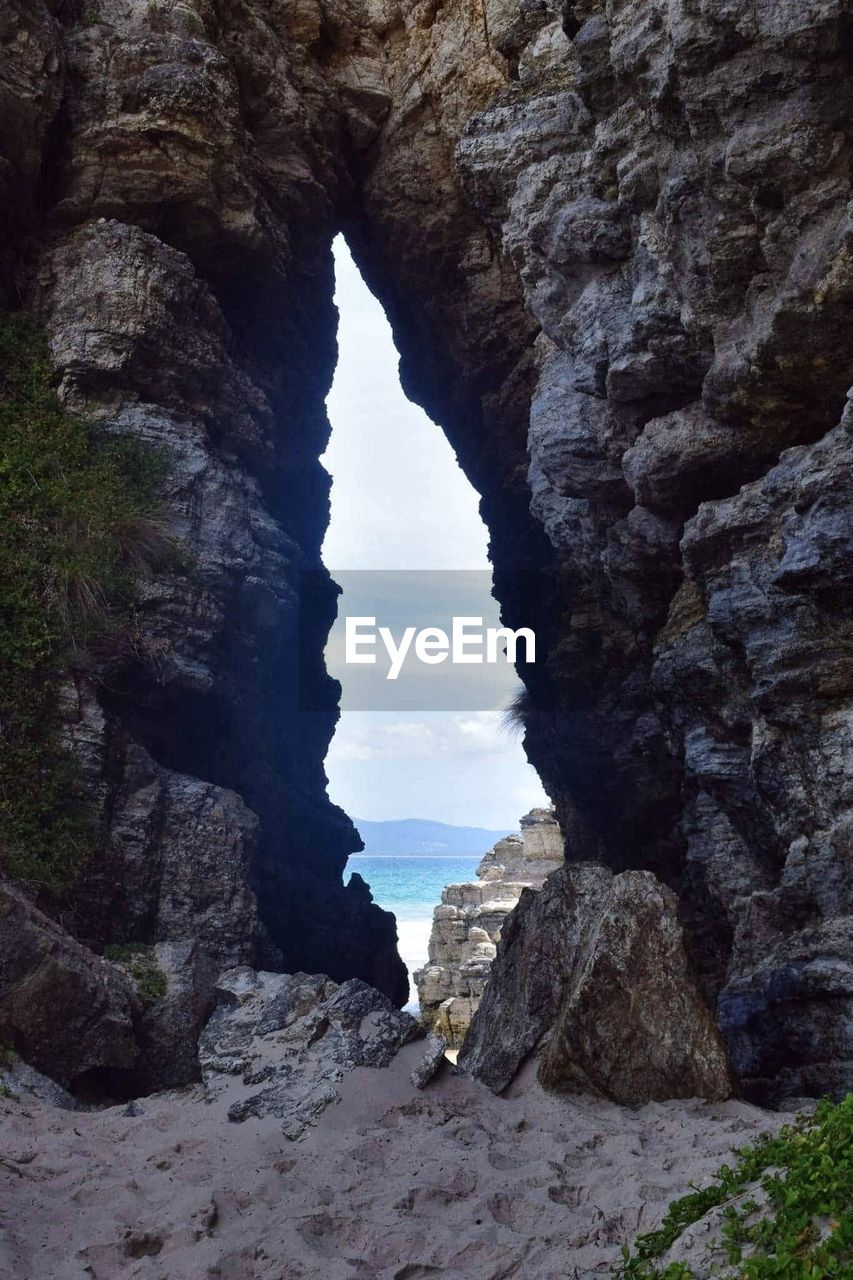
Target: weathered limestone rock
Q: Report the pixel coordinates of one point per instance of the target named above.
(688, 467)
(177, 863)
(21, 1082)
(64, 1010)
(282, 1043)
(194, 740)
(467, 924)
(432, 1061)
(592, 976)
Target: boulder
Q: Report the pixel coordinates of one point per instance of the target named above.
(21, 1082)
(280, 1044)
(66, 1011)
(592, 975)
(431, 1063)
(169, 1030)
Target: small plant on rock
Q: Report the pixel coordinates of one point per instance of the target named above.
(78, 524)
(139, 961)
(806, 1231)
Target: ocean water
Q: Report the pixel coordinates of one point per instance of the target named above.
(411, 886)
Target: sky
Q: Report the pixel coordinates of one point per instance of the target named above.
(401, 501)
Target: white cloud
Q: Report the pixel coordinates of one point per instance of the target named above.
(376, 735)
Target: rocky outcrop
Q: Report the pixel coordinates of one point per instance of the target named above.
(105, 1028)
(31, 84)
(202, 739)
(466, 926)
(689, 463)
(170, 1026)
(282, 1043)
(593, 978)
(613, 242)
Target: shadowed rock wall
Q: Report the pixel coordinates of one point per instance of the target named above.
(670, 183)
(177, 178)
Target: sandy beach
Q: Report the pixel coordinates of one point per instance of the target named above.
(392, 1184)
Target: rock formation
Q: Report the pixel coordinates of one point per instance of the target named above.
(66, 1011)
(614, 244)
(282, 1043)
(592, 978)
(466, 926)
(689, 462)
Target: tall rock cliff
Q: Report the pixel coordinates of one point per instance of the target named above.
(186, 290)
(613, 241)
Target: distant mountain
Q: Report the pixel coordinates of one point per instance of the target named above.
(414, 836)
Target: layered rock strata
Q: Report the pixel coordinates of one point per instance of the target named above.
(170, 268)
(613, 240)
(672, 183)
(467, 924)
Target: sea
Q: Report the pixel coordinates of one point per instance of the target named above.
(410, 885)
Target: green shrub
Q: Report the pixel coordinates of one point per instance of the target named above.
(140, 962)
(78, 522)
(807, 1233)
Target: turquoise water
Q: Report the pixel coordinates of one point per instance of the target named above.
(411, 888)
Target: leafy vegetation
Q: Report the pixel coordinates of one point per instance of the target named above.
(78, 522)
(806, 1233)
(140, 962)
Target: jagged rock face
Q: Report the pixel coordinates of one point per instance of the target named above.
(282, 1043)
(169, 1030)
(186, 288)
(85, 1022)
(592, 977)
(466, 926)
(65, 1011)
(613, 243)
(672, 183)
(30, 92)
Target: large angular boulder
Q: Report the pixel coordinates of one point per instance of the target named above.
(170, 1027)
(65, 1010)
(592, 975)
(280, 1043)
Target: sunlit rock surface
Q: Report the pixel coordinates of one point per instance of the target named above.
(592, 979)
(467, 924)
(282, 1043)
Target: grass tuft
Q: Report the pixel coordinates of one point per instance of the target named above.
(78, 524)
(139, 961)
